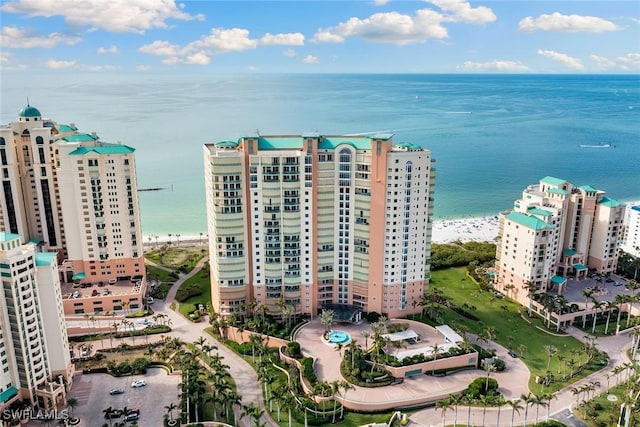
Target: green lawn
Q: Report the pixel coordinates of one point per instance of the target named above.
(183, 259)
(511, 328)
(202, 281)
(602, 411)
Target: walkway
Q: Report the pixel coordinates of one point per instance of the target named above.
(615, 346)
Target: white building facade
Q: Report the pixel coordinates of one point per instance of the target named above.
(631, 239)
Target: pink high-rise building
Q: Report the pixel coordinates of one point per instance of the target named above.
(313, 221)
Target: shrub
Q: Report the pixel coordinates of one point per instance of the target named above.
(499, 364)
(397, 327)
(307, 370)
(293, 349)
(372, 317)
(478, 387)
(186, 292)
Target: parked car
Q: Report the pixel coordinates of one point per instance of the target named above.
(513, 354)
(150, 300)
(132, 417)
(138, 383)
(116, 413)
(116, 391)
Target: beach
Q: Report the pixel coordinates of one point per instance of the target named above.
(478, 229)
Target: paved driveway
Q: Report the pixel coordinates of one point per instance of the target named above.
(92, 392)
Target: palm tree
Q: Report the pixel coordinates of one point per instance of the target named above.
(484, 400)
(72, 402)
(550, 351)
(445, 405)
(327, 317)
(489, 367)
(538, 401)
(345, 386)
(499, 401)
(528, 400)
(587, 294)
(366, 335)
(597, 305)
(455, 400)
(609, 306)
(548, 398)
(107, 414)
(515, 407)
(169, 408)
(619, 300)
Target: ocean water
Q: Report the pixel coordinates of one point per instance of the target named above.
(492, 135)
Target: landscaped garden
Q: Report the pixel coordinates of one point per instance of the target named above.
(549, 356)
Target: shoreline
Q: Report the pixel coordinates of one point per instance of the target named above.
(470, 229)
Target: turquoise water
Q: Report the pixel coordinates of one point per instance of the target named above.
(339, 337)
(491, 134)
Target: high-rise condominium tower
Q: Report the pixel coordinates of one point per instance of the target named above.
(312, 221)
(34, 351)
(554, 232)
(74, 194)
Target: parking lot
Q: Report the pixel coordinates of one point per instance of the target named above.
(92, 392)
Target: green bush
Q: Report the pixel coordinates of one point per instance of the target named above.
(293, 349)
(372, 317)
(478, 387)
(186, 292)
(307, 370)
(397, 327)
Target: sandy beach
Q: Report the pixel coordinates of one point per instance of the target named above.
(481, 229)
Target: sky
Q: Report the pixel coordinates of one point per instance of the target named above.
(300, 36)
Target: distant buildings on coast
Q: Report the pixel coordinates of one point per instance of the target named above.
(313, 221)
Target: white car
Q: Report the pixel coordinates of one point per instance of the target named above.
(138, 383)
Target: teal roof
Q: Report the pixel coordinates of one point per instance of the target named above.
(30, 111)
(579, 266)
(5, 237)
(528, 221)
(569, 252)
(557, 191)
(359, 143)
(280, 143)
(558, 279)
(553, 181)
(409, 146)
(66, 128)
(79, 137)
(8, 394)
(103, 149)
(612, 203)
(538, 211)
(588, 189)
(79, 276)
(45, 258)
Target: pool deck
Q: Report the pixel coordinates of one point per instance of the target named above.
(412, 391)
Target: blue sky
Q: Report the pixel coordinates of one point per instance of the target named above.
(373, 36)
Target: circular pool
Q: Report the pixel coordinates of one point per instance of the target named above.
(339, 337)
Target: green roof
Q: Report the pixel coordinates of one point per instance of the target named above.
(79, 137)
(30, 111)
(528, 221)
(361, 143)
(538, 211)
(45, 258)
(558, 279)
(280, 143)
(8, 394)
(103, 149)
(79, 276)
(579, 266)
(588, 189)
(557, 191)
(5, 237)
(553, 181)
(66, 128)
(569, 252)
(612, 203)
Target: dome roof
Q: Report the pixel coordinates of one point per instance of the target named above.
(30, 111)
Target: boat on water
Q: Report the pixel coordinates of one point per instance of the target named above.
(595, 145)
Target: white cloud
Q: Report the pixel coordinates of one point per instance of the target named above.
(98, 68)
(463, 12)
(160, 48)
(496, 65)
(562, 58)
(290, 39)
(143, 68)
(310, 59)
(391, 27)
(117, 16)
(566, 23)
(6, 57)
(401, 29)
(628, 62)
(113, 49)
(380, 2)
(289, 52)
(60, 65)
(14, 37)
(199, 58)
(223, 40)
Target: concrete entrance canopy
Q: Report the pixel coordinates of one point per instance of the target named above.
(402, 335)
(449, 334)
